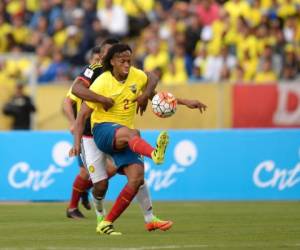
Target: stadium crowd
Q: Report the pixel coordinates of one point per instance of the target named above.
(184, 42)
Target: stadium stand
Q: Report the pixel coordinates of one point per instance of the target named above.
(183, 41)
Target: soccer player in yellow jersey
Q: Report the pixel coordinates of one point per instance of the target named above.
(153, 223)
(99, 168)
(113, 128)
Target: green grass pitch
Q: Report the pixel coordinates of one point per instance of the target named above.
(197, 225)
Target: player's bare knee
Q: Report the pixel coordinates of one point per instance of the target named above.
(136, 182)
(135, 132)
(132, 133)
(84, 174)
(111, 171)
(100, 188)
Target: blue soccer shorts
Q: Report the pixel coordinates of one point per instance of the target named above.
(104, 135)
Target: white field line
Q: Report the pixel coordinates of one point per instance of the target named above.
(132, 248)
(109, 248)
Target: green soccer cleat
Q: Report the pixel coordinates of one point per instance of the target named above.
(158, 155)
(100, 218)
(106, 227)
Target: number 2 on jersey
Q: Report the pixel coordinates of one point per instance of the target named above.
(126, 104)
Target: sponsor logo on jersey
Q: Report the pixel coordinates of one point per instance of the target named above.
(133, 88)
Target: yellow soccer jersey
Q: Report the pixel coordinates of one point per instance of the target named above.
(77, 100)
(123, 111)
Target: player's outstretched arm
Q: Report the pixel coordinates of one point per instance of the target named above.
(151, 84)
(81, 90)
(68, 104)
(142, 100)
(192, 104)
(82, 116)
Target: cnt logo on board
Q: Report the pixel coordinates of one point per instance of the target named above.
(22, 175)
(184, 156)
(185, 171)
(267, 174)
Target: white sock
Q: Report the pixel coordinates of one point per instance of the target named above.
(144, 200)
(98, 205)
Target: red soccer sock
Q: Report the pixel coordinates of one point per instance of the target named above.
(89, 184)
(122, 202)
(140, 146)
(79, 185)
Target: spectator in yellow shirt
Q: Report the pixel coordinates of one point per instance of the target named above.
(156, 57)
(138, 14)
(237, 75)
(60, 33)
(236, 8)
(286, 8)
(179, 60)
(174, 76)
(247, 41)
(254, 14)
(5, 29)
(250, 65)
(17, 66)
(20, 31)
(266, 75)
(201, 59)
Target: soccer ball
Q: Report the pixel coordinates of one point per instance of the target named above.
(164, 104)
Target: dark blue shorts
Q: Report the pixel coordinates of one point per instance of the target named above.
(104, 134)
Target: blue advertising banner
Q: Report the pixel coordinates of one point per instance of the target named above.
(200, 165)
(36, 166)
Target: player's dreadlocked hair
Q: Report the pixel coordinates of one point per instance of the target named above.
(115, 49)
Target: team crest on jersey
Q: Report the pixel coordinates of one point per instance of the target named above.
(88, 73)
(133, 88)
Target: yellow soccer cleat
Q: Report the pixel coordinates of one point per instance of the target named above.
(106, 227)
(156, 223)
(158, 155)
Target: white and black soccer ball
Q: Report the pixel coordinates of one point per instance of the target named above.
(164, 104)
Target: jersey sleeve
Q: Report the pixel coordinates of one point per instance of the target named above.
(142, 77)
(71, 96)
(90, 73)
(98, 88)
